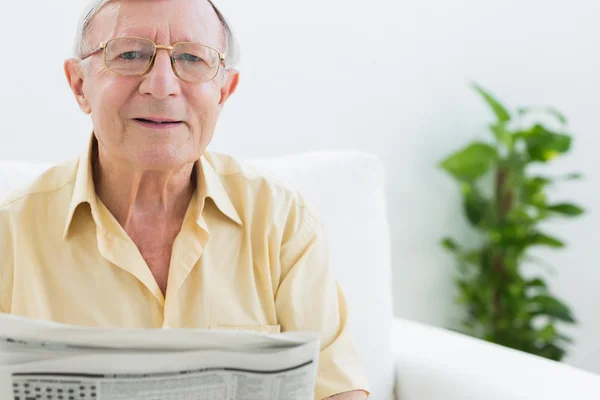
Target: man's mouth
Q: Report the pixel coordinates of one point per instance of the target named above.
(157, 123)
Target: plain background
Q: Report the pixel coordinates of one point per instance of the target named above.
(388, 77)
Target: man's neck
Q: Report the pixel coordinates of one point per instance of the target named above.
(132, 193)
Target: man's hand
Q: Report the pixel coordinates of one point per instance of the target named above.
(356, 395)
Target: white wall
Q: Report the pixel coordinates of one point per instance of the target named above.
(389, 77)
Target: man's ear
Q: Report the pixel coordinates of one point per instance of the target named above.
(74, 71)
(230, 83)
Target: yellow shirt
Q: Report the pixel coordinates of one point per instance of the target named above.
(250, 255)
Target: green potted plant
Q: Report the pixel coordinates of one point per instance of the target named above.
(507, 203)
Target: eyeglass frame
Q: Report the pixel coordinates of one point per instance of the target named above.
(104, 45)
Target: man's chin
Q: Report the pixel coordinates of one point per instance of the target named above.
(167, 135)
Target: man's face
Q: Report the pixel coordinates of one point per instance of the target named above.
(119, 104)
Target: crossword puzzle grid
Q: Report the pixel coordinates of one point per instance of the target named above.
(26, 389)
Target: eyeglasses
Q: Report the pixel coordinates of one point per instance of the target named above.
(134, 56)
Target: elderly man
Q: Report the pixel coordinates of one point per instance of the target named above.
(146, 229)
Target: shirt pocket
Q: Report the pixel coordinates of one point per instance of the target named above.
(271, 329)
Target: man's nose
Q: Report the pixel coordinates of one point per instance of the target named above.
(161, 81)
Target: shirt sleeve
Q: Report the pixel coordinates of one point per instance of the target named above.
(309, 299)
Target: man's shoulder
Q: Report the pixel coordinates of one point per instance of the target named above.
(254, 186)
(40, 189)
(251, 177)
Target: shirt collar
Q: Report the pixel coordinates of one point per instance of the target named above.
(84, 191)
(208, 186)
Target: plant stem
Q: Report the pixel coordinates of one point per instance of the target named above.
(504, 203)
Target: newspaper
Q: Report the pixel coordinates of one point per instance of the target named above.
(50, 361)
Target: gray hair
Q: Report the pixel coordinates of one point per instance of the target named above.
(83, 47)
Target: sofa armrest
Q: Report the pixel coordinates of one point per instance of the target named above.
(437, 364)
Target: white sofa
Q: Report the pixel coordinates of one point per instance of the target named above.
(404, 360)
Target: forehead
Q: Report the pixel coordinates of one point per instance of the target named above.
(164, 21)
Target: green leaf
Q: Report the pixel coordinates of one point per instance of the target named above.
(472, 257)
(525, 110)
(540, 181)
(574, 176)
(536, 287)
(470, 163)
(544, 180)
(544, 240)
(560, 116)
(501, 134)
(533, 191)
(475, 212)
(537, 282)
(547, 333)
(549, 110)
(566, 209)
(465, 293)
(552, 307)
(544, 145)
(449, 244)
(564, 338)
(552, 352)
(474, 204)
(499, 110)
(521, 216)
